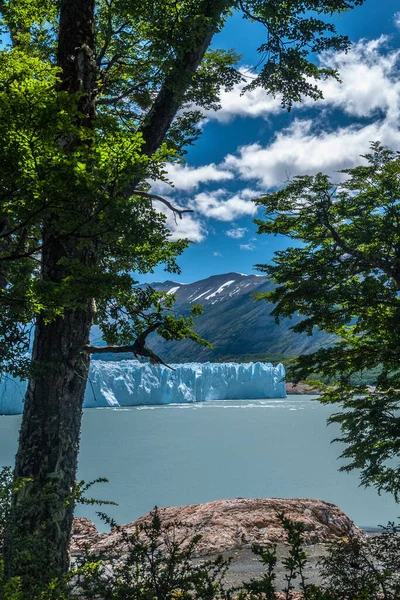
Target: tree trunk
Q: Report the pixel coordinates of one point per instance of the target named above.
(48, 449)
(179, 79)
(38, 536)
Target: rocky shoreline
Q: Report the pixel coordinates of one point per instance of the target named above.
(227, 525)
(231, 527)
(297, 389)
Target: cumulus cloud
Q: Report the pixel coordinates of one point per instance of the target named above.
(186, 178)
(370, 90)
(369, 83)
(236, 232)
(223, 205)
(370, 80)
(299, 149)
(189, 227)
(235, 103)
(371, 87)
(396, 19)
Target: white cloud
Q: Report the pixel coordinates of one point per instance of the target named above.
(217, 254)
(250, 104)
(298, 150)
(188, 227)
(223, 205)
(186, 178)
(370, 82)
(249, 246)
(396, 19)
(370, 89)
(236, 233)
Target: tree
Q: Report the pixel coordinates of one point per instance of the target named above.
(96, 96)
(343, 276)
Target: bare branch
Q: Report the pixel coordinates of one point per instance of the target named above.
(177, 211)
(138, 348)
(145, 352)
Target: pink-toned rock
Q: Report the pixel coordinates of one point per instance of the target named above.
(84, 535)
(227, 525)
(301, 388)
(83, 528)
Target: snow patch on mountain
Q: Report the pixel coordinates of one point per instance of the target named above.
(200, 296)
(220, 289)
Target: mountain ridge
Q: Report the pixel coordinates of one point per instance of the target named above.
(239, 327)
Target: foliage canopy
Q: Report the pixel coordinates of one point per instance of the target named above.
(97, 96)
(55, 168)
(343, 276)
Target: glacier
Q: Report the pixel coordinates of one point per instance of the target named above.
(132, 383)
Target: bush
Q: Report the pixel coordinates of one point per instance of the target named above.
(155, 566)
(358, 569)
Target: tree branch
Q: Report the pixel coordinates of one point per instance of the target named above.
(138, 348)
(180, 77)
(177, 211)
(250, 15)
(146, 353)
(177, 82)
(374, 262)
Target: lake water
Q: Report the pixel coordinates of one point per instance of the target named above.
(183, 454)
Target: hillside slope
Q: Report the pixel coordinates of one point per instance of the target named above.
(238, 327)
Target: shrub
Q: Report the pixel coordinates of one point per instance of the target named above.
(358, 569)
(154, 566)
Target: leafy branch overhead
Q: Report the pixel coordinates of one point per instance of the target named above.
(343, 276)
(150, 60)
(96, 98)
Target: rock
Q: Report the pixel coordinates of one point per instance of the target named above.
(83, 528)
(226, 525)
(301, 388)
(84, 535)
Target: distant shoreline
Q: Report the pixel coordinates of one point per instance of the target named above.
(300, 389)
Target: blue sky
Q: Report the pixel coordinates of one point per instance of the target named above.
(251, 145)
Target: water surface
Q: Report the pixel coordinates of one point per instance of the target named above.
(182, 454)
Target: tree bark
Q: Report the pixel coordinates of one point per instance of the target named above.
(38, 536)
(180, 77)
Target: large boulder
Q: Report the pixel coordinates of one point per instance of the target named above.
(226, 525)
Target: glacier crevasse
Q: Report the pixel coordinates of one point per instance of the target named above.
(131, 383)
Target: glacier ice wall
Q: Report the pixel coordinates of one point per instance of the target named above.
(131, 383)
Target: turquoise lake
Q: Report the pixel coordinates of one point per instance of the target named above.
(182, 454)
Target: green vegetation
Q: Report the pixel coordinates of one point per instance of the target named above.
(155, 565)
(344, 278)
(95, 98)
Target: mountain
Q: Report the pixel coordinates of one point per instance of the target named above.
(238, 327)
